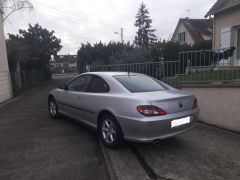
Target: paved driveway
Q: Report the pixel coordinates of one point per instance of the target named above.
(204, 153)
(33, 146)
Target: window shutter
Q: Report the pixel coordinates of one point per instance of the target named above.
(225, 37)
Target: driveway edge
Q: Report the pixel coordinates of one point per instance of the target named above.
(9, 101)
(108, 163)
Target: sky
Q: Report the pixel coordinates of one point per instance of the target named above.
(82, 21)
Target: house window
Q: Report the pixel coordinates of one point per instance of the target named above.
(238, 44)
(182, 37)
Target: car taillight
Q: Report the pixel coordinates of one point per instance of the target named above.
(195, 104)
(150, 110)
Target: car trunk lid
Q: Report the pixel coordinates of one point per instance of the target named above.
(171, 101)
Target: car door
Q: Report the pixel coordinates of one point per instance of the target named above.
(96, 92)
(70, 100)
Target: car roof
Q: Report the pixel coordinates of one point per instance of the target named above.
(113, 73)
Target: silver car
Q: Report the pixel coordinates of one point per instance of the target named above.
(125, 106)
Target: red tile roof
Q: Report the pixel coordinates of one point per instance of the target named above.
(222, 5)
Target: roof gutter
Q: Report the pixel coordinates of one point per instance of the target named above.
(222, 9)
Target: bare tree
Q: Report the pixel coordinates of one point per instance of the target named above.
(7, 7)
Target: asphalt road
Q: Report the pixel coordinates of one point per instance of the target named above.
(33, 146)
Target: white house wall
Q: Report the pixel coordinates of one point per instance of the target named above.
(5, 83)
(227, 19)
(219, 105)
(230, 18)
(181, 28)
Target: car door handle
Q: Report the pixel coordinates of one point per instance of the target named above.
(79, 97)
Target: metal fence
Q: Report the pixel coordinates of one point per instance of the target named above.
(165, 70)
(210, 66)
(205, 66)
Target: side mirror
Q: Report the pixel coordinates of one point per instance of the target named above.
(63, 87)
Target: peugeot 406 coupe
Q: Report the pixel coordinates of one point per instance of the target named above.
(125, 106)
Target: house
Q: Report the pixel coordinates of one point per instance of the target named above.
(5, 80)
(64, 64)
(226, 26)
(191, 31)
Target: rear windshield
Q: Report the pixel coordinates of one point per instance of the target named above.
(139, 83)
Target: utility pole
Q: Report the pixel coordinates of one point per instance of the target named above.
(121, 34)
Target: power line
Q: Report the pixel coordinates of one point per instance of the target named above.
(73, 21)
(86, 21)
(76, 19)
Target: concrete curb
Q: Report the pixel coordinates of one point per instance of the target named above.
(122, 164)
(9, 101)
(107, 161)
(218, 127)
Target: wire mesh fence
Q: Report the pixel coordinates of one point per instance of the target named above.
(25, 79)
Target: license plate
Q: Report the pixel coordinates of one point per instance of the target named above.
(179, 122)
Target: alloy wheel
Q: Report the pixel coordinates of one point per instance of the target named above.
(53, 108)
(108, 131)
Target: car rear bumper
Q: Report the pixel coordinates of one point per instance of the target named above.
(155, 128)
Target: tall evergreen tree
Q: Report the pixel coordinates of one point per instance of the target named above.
(145, 35)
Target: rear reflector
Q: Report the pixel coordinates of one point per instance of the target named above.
(150, 110)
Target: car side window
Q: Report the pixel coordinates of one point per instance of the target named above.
(98, 85)
(79, 84)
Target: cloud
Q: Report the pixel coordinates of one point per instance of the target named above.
(81, 21)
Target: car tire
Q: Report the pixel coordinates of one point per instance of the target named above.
(53, 108)
(110, 132)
